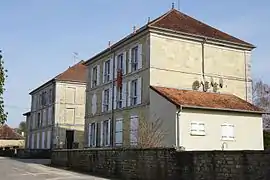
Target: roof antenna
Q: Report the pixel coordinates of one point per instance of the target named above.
(173, 5)
(109, 44)
(75, 56)
(148, 20)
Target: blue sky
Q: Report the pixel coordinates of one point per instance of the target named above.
(38, 38)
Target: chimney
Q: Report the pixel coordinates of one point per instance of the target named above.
(109, 44)
(134, 29)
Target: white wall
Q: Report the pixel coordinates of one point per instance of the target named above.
(248, 130)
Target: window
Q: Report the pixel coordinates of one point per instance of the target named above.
(227, 132)
(106, 71)
(106, 100)
(92, 134)
(197, 129)
(50, 96)
(39, 120)
(94, 77)
(105, 133)
(120, 97)
(120, 60)
(134, 125)
(134, 92)
(134, 58)
(119, 132)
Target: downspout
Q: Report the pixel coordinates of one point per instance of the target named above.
(203, 68)
(112, 114)
(178, 128)
(246, 83)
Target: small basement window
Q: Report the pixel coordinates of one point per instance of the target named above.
(197, 129)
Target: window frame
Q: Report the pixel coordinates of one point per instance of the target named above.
(94, 76)
(120, 61)
(106, 100)
(134, 58)
(107, 69)
(134, 92)
(106, 136)
(120, 97)
(93, 134)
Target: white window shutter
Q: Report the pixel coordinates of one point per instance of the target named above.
(98, 74)
(140, 55)
(129, 61)
(115, 66)
(111, 69)
(49, 139)
(102, 103)
(103, 73)
(101, 133)
(95, 139)
(89, 135)
(124, 95)
(129, 94)
(124, 63)
(109, 131)
(139, 90)
(115, 98)
(110, 99)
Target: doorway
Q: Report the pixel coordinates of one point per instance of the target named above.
(69, 138)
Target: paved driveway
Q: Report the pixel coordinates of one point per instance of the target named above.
(17, 169)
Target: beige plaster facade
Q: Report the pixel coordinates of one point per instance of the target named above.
(64, 109)
(168, 60)
(248, 132)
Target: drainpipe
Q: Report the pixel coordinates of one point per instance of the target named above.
(112, 114)
(246, 79)
(203, 70)
(178, 128)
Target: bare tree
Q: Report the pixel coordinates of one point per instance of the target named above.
(150, 133)
(261, 98)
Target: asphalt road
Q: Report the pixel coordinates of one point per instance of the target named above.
(20, 169)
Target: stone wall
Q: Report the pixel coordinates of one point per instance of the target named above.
(167, 164)
(26, 154)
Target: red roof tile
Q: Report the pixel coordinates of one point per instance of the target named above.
(76, 73)
(191, 98)
(8, 133)
(178, 21)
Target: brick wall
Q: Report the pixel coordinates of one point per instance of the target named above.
(152, 164)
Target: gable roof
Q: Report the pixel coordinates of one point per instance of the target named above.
(75, 73)
(205, 100)
(7, 133)
(178, 21)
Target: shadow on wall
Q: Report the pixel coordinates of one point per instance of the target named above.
(68, 137)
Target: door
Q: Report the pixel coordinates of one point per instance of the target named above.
(69, 138)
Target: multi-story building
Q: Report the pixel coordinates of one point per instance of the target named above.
(174, 51)
(57, 111)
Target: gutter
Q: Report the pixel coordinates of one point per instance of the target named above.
(223, 109)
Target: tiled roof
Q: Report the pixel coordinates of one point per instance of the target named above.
(7, 133)
(178, 21)
(198, 99)
(75, 73)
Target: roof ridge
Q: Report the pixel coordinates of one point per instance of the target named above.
(161, 17)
